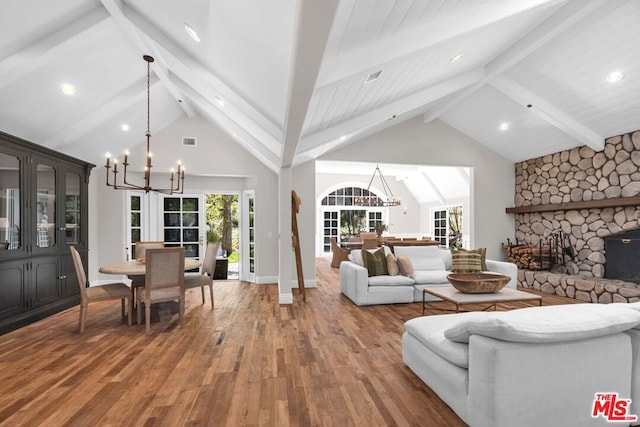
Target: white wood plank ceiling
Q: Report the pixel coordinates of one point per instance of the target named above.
(287, 77)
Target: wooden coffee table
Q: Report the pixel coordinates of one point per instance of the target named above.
(450, 294)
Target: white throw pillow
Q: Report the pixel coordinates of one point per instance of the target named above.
(548, 324)
(422, 257)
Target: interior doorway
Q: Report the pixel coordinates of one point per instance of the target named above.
(222, 213)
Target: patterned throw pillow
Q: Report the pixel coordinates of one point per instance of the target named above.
(406, 267)
(483, 256)
(465, 262)
(376, 262)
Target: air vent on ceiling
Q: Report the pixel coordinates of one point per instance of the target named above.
(189, 141)
(373, 76)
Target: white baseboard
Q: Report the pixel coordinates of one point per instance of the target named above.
(286, 298)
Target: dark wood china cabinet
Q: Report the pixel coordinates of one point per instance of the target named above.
(43, 210)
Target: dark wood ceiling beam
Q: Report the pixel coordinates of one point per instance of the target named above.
(590, 204)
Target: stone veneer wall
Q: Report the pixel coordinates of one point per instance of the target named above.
(576, 175)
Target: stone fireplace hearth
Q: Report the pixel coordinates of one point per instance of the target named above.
(590, 196)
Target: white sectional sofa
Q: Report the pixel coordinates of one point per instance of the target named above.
(536, 366)
(431, 266)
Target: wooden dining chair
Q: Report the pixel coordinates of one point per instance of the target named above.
(110, 291)
(163, 281)
(369, 243)
(205, 278)
(368, 235)
(339, 254)
(142, 246)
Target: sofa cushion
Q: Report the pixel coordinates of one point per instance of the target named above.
(398, 280)
(430, 277)
(422, 257)
(465, 262)
(429, 330)
(375, 262)
(405, 266)
(631, 305)
(392, 265)
(547, 324)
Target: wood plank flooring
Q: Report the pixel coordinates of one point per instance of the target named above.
(249, 362)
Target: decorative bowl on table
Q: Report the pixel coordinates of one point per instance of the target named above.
(140, 260)
(478, 283)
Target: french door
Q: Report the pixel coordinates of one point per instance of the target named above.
(248, 270)
(177, 220)
(183, 223)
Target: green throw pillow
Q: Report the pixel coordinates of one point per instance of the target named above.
(375, 262)
(483, 256)
(465, 262)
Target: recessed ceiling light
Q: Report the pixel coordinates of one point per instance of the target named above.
(503, 126)
(192, 33)
(125, 127)
(69, 89)
(455, 58)
(373, 76)
(615, 76)
(219, 101)
(343, 138)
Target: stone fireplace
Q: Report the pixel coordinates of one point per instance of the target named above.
(589, 196)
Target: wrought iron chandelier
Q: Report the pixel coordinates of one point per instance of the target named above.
(176, 178)
(370, 199)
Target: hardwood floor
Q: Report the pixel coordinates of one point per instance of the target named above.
(250, 361)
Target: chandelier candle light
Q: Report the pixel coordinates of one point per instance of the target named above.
(370, 200)
(176, 179)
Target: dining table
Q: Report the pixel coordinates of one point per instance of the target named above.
(136, 270)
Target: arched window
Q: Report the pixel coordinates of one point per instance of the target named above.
(347, 211)
(347, 196)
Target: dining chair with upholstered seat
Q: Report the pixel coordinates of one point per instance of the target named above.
(142, 246)
(205, 278)
(163, 281)
(339, 254)
(111, 291)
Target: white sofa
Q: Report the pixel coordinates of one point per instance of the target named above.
(536, 366)
(431, 266)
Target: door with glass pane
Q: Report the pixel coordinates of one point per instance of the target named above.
(183, 223)
(138, 229)
(248, 258)
(330, 228)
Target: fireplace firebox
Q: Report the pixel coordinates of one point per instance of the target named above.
(623, 256)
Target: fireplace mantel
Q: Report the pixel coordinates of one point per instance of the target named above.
(591, 204)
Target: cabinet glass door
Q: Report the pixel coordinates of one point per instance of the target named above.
(10, 202)
(72, 208)
(45, 219)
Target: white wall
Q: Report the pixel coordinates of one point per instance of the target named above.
(418, 143)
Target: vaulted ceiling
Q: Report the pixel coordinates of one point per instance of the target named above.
(288, 78)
